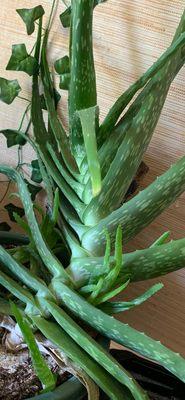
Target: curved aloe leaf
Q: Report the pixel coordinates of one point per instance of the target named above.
(115, 307)
(46, 255)
(40, 366)
(120, 332)
(63, 341)
(95, 350)
(138, 212)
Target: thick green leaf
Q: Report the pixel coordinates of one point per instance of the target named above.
(95, 351)
(29, 16)
(121, 333)
(62, 340)
(13, 137)
(4, 227)
(138, 212)
(40, 366)
(20, 60)
(88, 123)
(11, 208)
(9, 90)
(36, 174)
(49, 259)
(115, 307)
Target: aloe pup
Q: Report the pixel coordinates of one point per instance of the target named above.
(72, 264)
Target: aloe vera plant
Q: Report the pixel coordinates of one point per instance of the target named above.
(68, 266)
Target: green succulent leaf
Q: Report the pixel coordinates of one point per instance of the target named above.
(20, 60)
(88, 123)
(29, 16)
(11, 209)
(115, 307)
(13, 137)
(9, 90)
(40, 366)
(4, 227)
(36, 174)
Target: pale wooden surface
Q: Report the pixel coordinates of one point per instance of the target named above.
(129, 35)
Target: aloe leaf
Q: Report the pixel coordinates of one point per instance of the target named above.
(54, 266)
(119, 332)
(13, 137)
(76, 186)
(56, 126)
(17, 290)
(115, 307)
(112, 293)
(29, 16)
(116, 110)
(95, 350)
(40, 366)
(82, 91)
(11, 209)
(63, 341)
(20, 60)
(9, 90)
(88, 123)
(161, 240)
(139, 265)
(22, 273)
(138, 212)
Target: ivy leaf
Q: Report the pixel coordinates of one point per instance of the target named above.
(4, 227)
(9, 90)
(36, 174)
(29, 16)
(65, 18)
(64, 81)
(13, 137)
(34, 190)
(20, 60)
(11, 209)
(62, 66)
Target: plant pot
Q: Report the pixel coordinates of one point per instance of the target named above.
(159, 383)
